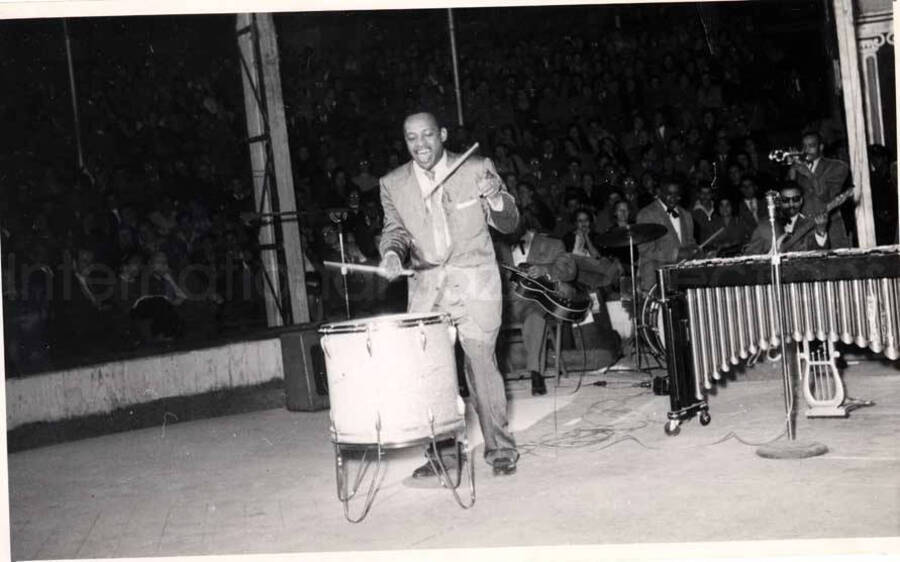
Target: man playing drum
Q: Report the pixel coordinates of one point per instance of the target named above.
(440, 224)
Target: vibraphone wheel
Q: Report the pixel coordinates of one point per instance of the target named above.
(705, 418)
(673, 427)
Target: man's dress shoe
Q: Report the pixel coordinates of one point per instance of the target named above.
(429, 469)
(537, 384)
(504, 467)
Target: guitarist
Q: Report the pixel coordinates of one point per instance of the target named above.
(790, 220)
(539, 256)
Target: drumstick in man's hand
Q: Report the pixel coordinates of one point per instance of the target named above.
(453, 168)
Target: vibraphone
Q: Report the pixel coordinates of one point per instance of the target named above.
(720, 313)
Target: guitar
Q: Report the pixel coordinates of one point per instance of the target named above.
(786, 244)
(544, 292)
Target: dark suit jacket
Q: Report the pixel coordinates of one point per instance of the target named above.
(544, 250)
(733, 237)
(826, 182)
(748, 217)
(761, 239)
(702, 224)
(471, 262)
(664, 250)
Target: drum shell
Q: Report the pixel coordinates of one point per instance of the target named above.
(387, 381)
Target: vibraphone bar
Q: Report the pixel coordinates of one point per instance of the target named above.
(720, 313)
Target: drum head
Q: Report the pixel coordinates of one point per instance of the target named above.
(651, 325)
(385, 322)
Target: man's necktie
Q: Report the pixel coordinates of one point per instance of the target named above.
(672, 212)
(436, 208)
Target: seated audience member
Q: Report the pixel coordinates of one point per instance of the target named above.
(365, 180)
(622, 219)
(33, 310)
(128, 292)
(731, 232)
(702, 213)
(752, 208)
(579, 241)
(565, 220)
(595, 270)
(363, 226)
(82, 303)
(605, 216)
(155, 310)
(794, 230)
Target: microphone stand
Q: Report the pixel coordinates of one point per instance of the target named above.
(791, 449)
(338, 219)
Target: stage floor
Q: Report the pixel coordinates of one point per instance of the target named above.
(596, 468)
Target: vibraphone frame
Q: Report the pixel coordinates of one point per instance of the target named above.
(874, 271)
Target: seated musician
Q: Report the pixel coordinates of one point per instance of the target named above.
(678, 242)
(795, 230)
(539, 255)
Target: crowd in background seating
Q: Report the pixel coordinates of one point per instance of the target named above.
(583, 117)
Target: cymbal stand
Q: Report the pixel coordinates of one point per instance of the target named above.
(637, 363)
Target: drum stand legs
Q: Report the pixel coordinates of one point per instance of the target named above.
(346, 492)
(463, 458)
(347, 488)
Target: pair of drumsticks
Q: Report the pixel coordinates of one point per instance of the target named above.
(345, 267)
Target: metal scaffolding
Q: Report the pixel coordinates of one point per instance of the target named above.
(273, 185)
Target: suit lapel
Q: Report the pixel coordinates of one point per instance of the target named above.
(683, 221)
(664, 216)
(450, 186)
(820, 169)
(412, 192)
(534, 249)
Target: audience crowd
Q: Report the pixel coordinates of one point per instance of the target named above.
(583, 117)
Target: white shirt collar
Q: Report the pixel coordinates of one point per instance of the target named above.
(708, 212)
(815, 163)
(792, 223)
(519, 254)
(676, 222)
(439, 169)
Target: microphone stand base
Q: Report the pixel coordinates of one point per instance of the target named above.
(791, 450)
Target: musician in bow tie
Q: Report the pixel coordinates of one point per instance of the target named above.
(792, 227)
(677, 244)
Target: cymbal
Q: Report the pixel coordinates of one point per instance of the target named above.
(640, 233)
